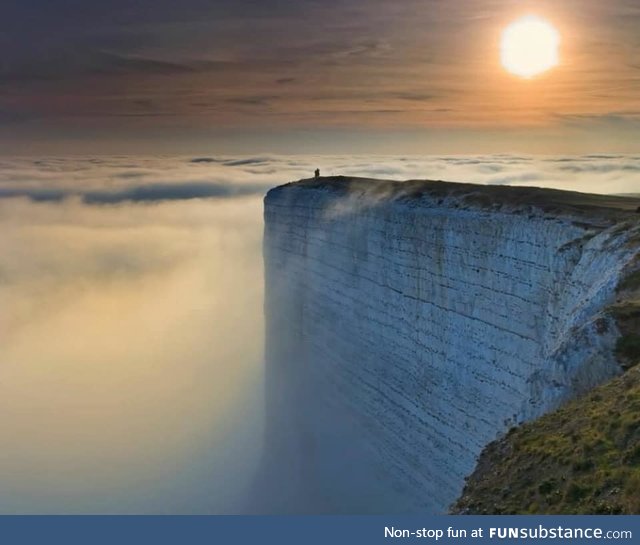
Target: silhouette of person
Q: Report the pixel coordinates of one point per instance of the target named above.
(317, 173)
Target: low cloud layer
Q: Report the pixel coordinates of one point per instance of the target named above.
(131, 329)
(131, 348)
(112, 180)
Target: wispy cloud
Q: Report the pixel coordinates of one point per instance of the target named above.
(256, 65)
(63, 65)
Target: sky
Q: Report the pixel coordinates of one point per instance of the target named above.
(314, 77)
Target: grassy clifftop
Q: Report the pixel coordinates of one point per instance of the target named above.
(583, 459)
(590, 207)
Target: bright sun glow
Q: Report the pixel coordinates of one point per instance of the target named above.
(529, 47)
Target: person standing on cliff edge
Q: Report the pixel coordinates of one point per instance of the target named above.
(317, 173)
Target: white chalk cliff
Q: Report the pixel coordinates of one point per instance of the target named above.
(408, 325)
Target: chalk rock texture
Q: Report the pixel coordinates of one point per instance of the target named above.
(408, 325)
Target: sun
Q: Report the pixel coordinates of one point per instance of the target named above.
(529, 47)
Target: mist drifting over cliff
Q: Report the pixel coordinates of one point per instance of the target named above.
(131, 321)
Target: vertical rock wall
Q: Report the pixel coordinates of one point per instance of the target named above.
(404, 334)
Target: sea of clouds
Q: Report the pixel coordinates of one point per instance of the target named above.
(131, 326)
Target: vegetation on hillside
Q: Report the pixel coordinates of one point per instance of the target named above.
(627, 316)
(631, 282)
(583, 458)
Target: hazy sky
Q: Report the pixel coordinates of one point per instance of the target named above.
(293, 76)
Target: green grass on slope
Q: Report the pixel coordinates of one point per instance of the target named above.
(631, 282)
(583, 458)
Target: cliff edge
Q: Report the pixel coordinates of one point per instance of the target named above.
(409, 324)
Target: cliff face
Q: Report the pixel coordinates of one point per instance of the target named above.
(409, 325)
